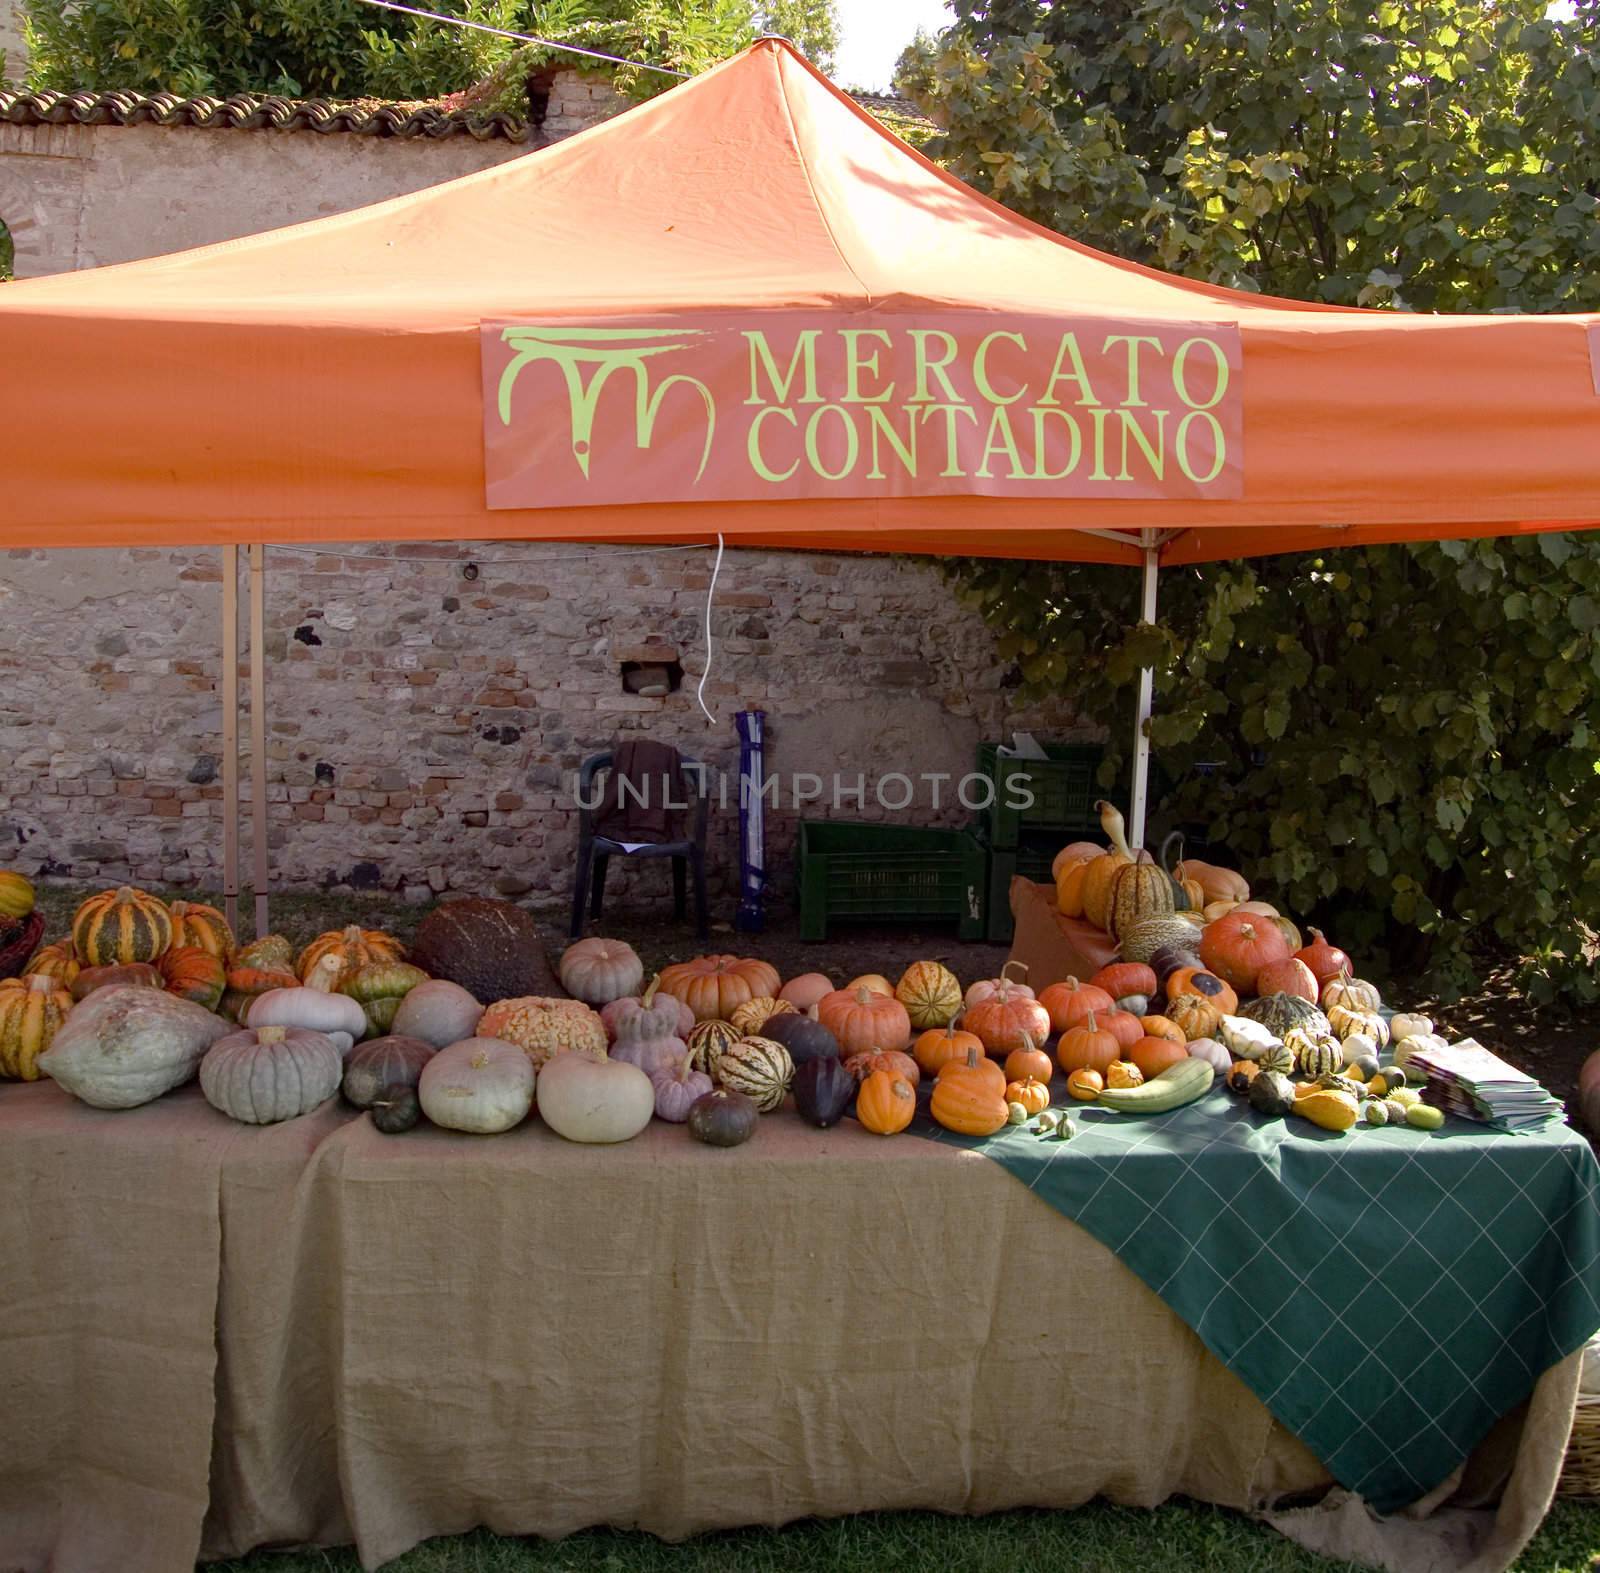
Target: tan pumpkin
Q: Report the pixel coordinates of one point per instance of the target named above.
(354, 948)
(871, 980)
(807, 990)
(1217, 883)
(865, 1021)
(931, 994)
(199, 927)
(1102, 872)
(121, 926)
(713, 987)
(1356, 993)
(32, 1010)
(543, 1027)
(750, 1017)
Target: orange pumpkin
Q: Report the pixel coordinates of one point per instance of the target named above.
(1068, 1002)
(931, 994)
(1089, 1047)
(353, 947)
(1086, 1085)
(1007, 1020)
(986, 1071)
(885, 1103)
(1124, 1026)
(193, 974)
(864, 1020)
(1238, 946)
(1033, 1095)
(1023, 1063)
(1326, 961)
(1123, 978)
(1154, 1055)
(1069, 887)
(871, 980)
(939, 1044)
(1162, 1027)
(1196, 980)
(1290, 976)
(894, 1061)
(713, 987)
(200, 927)
(966, 1100)
(1195, 1016)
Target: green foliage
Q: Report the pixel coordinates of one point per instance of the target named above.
(812, 27)
(344, 49)
(1405, 737)
(8, 253)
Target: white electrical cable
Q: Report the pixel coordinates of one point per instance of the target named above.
(711, 591)
(521, 38)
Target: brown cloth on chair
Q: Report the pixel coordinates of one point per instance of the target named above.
(653, 781)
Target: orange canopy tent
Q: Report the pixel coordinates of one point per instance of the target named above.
(336, 380)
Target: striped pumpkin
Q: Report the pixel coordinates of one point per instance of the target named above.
(31, 1012)
(1139, 892)
(931, 994)
(709, 1039)
(121, 926)
(750, 1017)
(1276, 1057)
(193, 974)
(355, 948)
(1315, 1053)
(201, 928)
(16, 895)
(54, 961)
(757, 1067)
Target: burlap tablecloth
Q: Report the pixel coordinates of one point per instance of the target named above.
(416, 1335)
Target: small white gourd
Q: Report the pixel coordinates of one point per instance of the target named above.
(1246, 1039)
(315, 1006)
(1407, 1025)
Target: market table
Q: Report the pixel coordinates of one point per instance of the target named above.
(217, 1337)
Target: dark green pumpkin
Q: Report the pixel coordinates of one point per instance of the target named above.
(374, 1068)
(1280, 1013)
(721, 1118)
(822, 1091)
(1272, 1093)
(804, 1038)
(396, 1109)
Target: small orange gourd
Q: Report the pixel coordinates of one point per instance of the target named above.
(939, 1044)
(1123, 1073)
(1031, 1061)
(1162, 1027)
(966, 1100)
(885, 1103)
(1086, 1085)
(1089, 1047)
(1033, 1095)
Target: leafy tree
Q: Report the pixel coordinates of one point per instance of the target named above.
(1404, 738)
(344, 49)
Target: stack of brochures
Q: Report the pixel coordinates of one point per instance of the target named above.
(1466, 1079)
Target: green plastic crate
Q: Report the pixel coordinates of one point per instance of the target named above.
(852, 872)
(1032, 861)
(1063, 786)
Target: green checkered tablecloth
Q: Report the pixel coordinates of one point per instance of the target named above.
(1387, 1293)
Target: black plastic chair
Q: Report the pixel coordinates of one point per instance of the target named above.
(596, 851)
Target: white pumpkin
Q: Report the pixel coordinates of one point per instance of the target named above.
(262, 1076)
(315, 1006)
(1358, 1046)
(127, 1044)
(1352, 993)
(598, 971)
(1246, 1039)
(439, 1012)
(1407, 1025)
(481, 1085)
(1417, 1043)
(1213, 1053)
(594, 1100)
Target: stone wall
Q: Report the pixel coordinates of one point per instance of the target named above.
(426, 718)
(11, 45)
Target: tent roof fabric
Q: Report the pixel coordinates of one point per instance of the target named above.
(323, 382)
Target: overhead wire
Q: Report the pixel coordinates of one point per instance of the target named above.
(522, 38)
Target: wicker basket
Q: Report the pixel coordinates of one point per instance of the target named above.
(1580, 1474)
(15, 952)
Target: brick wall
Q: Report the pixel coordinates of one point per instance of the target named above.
(424, 727)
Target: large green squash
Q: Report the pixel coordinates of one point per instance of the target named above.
(1280, 1014)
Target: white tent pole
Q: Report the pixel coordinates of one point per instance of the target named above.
(230, 735)
(1147, 677)
(258, 734)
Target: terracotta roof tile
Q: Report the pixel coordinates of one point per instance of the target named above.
(255, 112)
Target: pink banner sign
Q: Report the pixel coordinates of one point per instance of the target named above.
(805, 405)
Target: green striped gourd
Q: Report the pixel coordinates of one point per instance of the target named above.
(1280, 1013)
(1277, 1057)
(1315, 1053)
(121, 926)
(757, 1067)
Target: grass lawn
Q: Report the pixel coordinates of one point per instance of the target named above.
(1093, 1539)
